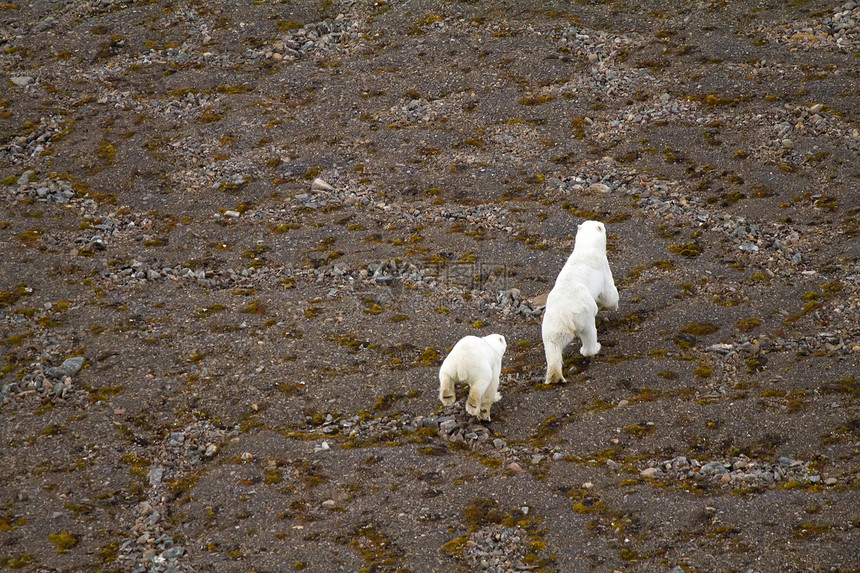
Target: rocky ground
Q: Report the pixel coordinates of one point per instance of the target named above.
(239, 237)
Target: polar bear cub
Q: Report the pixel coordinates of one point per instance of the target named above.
(584, 283)
(478, 362)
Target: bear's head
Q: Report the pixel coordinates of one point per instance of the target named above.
(590, 234)
(498, 342)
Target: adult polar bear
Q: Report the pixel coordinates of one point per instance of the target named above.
(584, 283)
(478, 362)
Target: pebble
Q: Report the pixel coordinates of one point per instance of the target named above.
(21, 81)
(739, 472)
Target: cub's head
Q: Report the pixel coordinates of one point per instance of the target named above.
(497, 341)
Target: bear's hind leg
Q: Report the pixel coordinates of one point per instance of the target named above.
(491, 395)
(476, 395)
(447, 394)
(588, 336)
(553, 348)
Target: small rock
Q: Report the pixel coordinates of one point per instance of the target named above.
(587, 485)
(21, 81)
(329, 503)
(816, 108)
(234, 214)
(447, 426)
(25, 177)
(539, 301)
(211, 449)
(831, 481)
(722, 348)
(155, 475)
(599, 188)
(173, 552)
(516, 468)
(612, 464)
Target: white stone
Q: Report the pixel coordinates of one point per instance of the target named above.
(320, 184)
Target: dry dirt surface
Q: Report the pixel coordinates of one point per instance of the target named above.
(238, 238)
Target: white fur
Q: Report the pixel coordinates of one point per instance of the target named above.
(477, 362)
(584, 283)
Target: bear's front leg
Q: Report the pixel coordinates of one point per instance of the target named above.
(610, 296)
(588, 336)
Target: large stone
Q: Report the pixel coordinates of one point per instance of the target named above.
(69, 367)
(650, 473)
